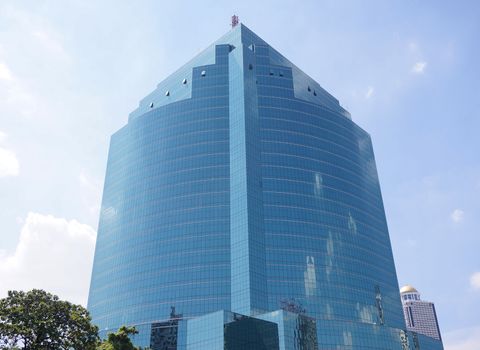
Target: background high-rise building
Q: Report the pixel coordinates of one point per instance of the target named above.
(420, 315)
(243, 195)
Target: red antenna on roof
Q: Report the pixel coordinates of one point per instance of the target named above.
(234, 21)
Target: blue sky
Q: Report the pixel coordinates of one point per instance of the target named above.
(71, 71)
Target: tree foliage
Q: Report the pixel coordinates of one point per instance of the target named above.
(119, 340)
(37, 320)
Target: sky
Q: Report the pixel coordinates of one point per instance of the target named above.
(71, 71)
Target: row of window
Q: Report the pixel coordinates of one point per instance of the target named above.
(410, 297)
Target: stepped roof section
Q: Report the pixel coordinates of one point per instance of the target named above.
(177, 86)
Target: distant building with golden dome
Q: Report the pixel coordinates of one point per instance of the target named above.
(420, 315)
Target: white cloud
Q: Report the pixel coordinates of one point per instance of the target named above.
(411, 242)
(3, 136)
(419, 67)
(52, 254)
(369, 92)
(5, 73)
(51, 44)
(9, 165)
(15, 94)
(20, 98)
(475, 280)
(91, 192)
(86, 181)
(413, 46)
(462, 339)
(457, 215)
(28, 90)
(30, 25)
(19, 220)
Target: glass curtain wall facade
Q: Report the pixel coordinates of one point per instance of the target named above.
(240, 184)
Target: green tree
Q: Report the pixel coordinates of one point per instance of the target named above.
(119, 340)
(37, 320)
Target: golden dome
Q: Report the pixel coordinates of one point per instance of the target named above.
(408, 289)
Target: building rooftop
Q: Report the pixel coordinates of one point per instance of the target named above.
(177, 86)
(408, 289)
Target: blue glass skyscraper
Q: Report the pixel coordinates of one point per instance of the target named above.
(241, 199)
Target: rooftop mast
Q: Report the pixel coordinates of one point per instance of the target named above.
(234, 21)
